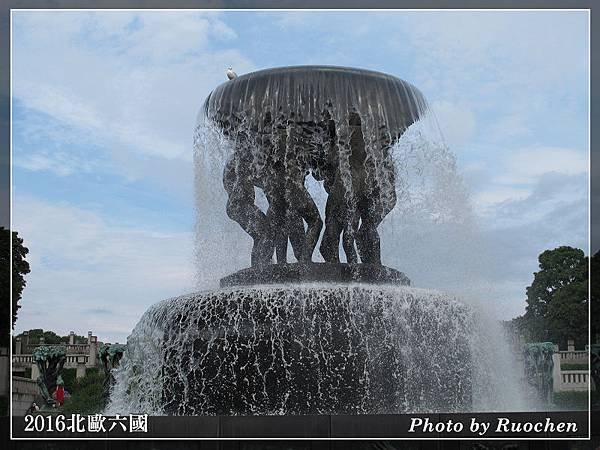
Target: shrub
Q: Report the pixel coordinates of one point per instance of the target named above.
(571, 401)
(87, 396)
(69, 378)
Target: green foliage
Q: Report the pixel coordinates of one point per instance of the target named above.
(87, 396)
(49, 352)
(570, 401)
(573, 366)
(20, 269)
(78, 339)
(557, 300)
(69, 377)
(50, 337)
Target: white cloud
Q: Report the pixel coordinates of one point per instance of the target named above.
(456, 122)
(518, 173)
(57, 101)
(551, 193)
(523, 74)
(528, 164)
(515, 125)
(137, 81)
(488, 198)
(60, 163)
(494, 48)
(80, 263)
(145, 35)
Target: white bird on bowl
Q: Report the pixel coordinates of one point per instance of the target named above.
(231, 74)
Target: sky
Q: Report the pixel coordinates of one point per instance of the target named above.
(104, 106)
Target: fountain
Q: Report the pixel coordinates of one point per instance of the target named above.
(538, 365)
(345, 335)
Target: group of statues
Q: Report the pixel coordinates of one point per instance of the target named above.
(277, 156)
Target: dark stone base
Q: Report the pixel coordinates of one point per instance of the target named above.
(315, 272)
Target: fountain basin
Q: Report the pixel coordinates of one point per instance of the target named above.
(299, 349)
(304, 92)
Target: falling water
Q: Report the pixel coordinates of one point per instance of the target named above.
(326, 348)
(312, 349)
(317, 349)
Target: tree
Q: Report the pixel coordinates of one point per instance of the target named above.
(557, 300)
(50, 337)
(20, 269)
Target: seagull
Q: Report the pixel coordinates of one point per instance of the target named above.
(231, 74)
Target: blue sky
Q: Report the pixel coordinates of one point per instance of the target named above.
(104, 106)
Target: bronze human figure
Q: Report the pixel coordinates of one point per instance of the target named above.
(338, 124)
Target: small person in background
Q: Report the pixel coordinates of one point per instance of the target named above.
(33, 408)
(59, 393)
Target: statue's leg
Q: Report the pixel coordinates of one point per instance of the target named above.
(241, 209)
(294, 225)
(281, 244)
(296, 233)
(373, 208)
(277, 234)
(276, 217)
(330, 244)
(262, 249)
(349, 237)
(389, 197)
(367, 237)
(368, 243)
(310, 213)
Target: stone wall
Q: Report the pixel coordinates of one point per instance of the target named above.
(570, 380)
(24, 392)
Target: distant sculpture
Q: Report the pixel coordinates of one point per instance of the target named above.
(50, 360)
(110, 355)
(537, 358)
(337, 124)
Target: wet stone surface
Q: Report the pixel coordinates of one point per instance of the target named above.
(315, 272)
